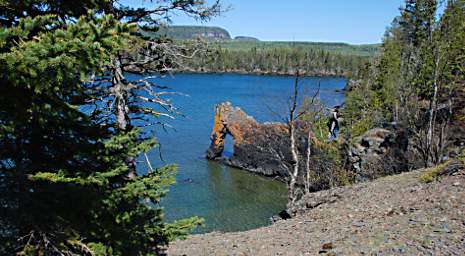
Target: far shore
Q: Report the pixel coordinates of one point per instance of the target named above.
(245, 72)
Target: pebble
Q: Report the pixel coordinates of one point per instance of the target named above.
(328, 246)
(390, 212)
(358, 224)
(442, 228)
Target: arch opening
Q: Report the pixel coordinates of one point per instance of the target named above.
(228, 148)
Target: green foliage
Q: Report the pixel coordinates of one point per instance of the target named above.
(64, 181)
(12, 10)
(327, 168)
(311, 60)
(363, 109)
(417, 81)
(243, 43)
(433, 174)
(314, 112)
(368, 50)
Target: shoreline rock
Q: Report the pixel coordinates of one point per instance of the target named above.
(260, 148)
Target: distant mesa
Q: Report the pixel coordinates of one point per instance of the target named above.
(246, 39)
(192, 32)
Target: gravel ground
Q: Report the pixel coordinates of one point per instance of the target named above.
(395, 215)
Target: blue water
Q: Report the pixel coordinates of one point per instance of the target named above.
(227, 198)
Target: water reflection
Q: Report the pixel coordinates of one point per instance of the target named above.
(244, 196)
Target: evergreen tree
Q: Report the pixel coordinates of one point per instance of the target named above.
(64, 183)
(417, 81)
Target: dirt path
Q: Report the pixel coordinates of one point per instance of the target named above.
(395, 215)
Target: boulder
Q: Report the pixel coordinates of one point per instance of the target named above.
(379, 152)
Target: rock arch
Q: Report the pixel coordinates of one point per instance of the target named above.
(258, 148)
(233, 121)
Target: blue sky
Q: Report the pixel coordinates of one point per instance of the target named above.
(351, 21)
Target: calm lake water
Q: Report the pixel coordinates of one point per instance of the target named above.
(228, 199)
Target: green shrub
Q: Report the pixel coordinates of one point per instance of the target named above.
(433, 174)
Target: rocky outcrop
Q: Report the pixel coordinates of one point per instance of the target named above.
(351, 85)
(265, 149)
(379, 152)
(259, 148)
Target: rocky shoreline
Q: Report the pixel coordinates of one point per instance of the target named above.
(264, 148)
(393, 215)
(262, 72)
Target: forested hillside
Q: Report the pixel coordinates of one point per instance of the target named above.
(248, 55)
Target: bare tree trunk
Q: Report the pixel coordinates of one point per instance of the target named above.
(120, 94)
(435, 154)
(432, 112)
(119, 90)
(295, 155)
(309, 152)
(295, 159)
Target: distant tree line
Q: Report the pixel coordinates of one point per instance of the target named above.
(289, 60)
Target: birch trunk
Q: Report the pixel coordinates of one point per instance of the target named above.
(309, 152)
(295, 158)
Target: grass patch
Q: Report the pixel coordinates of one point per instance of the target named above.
(434, 173)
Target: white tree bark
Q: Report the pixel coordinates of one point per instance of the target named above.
(309, 152)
